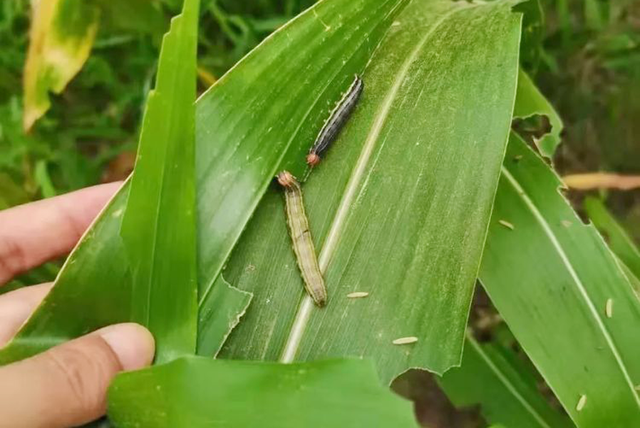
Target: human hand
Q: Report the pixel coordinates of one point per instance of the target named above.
(66, 385)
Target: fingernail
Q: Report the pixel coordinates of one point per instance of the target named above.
(132, 343)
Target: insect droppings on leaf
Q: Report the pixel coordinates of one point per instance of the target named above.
(405, 340)
(506, 224)
(608, 308)
(357, 294)
(581, 403)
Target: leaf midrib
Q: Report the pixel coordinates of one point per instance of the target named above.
(280, 160)
(303, 315)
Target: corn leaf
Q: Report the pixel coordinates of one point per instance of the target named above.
(426, 137)
(148, 276)
(551, 278)
(61, 37)
(531, 102)
(200, 392)
(158, 225)
(220, 313)
(492, 376)
(230, 182)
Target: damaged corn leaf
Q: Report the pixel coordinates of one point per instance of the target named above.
(61, 36)
(530, 103)
(428, 135)
(491, 375)
(219, 314)
(238, 150)
(200, 392)
(563, 295)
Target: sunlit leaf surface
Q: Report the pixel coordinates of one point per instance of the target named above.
(531, 102)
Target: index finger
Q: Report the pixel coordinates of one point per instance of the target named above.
(36, 232)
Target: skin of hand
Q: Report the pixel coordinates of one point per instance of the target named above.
(66, 385)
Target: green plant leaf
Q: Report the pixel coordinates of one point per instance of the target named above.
(617, 238)
(550, 278)
(492, 376)
(437, 100)
(429, 133)
(158, 225)
(43, 179)
(200, 392)
(531, 102)
(149, 275)
(61, 36)
(220, 313)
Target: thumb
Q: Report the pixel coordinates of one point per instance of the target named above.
(67, 385)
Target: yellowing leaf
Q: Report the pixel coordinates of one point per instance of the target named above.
(62, 34)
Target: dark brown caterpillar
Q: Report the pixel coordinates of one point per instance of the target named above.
(336, 121)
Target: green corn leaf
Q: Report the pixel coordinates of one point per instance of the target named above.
(220, 313)
(158, 225)
(492, 376)
(550, 277)
(531, 102)
(429, 135)
(200, 392)
(150, 275)
(425, 137)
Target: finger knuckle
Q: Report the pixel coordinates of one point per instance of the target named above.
(12, 259)
(85, 373)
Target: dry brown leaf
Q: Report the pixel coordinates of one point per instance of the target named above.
(601, 180)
